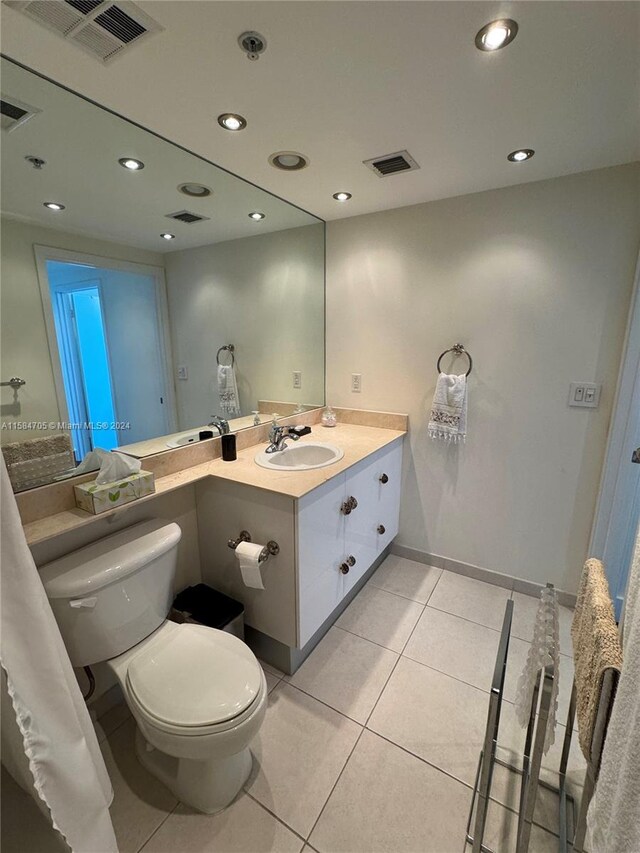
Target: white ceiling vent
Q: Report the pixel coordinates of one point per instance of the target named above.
(392, 164)
(14, 113)
(102, 28)
(186, 216)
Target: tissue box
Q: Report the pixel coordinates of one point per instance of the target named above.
(100, 497)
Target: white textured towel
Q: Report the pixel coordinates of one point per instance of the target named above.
(614, 814)
(448, 419)
(228, 390)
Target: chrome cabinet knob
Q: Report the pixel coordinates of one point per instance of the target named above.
(350, 561)
(347, 506)
(384, 479)
(382, 528)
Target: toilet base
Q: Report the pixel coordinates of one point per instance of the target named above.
(208, 786)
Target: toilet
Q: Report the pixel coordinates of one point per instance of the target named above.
(198, 695)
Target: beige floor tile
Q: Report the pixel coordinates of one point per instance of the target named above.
(272, 669)
(140, 802)
(501, 833)
(455, 646)
(475, 600)
(347, 672)
(112, 720)
(387, 800)
(434, 716)
(301, 749)
(272, 680)
(381, 617)
(243, 827)
(524, 615)
(407, 578)
(25, 829)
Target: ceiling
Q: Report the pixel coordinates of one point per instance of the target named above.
(343, 82)
(82, 144)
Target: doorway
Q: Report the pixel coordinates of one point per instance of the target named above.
(107, 328)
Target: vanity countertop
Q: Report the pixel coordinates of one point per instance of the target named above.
(356, 441)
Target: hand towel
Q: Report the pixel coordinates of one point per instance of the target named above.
(448, 419)
(228, 390)
(613, 814)
(596, 648)
(543, 652)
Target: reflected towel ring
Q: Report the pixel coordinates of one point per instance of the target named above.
(230, 349)
(459, 350)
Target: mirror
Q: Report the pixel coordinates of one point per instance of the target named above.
(141, 307)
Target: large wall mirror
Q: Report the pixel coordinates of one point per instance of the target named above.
(141, 305)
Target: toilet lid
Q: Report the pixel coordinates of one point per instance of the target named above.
(195, 676)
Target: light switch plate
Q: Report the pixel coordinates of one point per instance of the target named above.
(297, 379)
(585, 395)
(183, 372)
(356, 383)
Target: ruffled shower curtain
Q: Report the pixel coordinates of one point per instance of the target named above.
(57, 735)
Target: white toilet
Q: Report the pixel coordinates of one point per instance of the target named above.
(197, 694)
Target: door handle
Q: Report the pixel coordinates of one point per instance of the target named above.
(383, 479)
(350, 561)
(635, 456)
(382, 528)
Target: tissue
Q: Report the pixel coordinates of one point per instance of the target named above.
(248, 556)
(92, 461)
(117, 466)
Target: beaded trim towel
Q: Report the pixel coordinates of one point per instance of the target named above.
(448, 419)
(596, 647)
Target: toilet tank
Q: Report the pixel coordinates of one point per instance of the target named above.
(110, 595)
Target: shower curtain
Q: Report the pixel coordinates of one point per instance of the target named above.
(57, 735)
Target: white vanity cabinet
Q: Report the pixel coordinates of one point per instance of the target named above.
(341, 528)
(327, 542)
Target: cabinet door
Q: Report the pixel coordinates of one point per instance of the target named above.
(320, 530)
(388, 476)
(360, 525)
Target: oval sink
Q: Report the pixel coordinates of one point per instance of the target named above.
(300, 457)
(187, 438)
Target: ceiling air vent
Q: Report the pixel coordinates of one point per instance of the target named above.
(186, 216)
(392, 164)
(102, 28)
(14, 113)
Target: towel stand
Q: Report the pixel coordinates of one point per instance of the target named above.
(458, 349)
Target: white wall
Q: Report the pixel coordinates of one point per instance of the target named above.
(265, 295)
(24, 349)
(535, 280)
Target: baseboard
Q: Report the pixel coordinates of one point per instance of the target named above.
(479, 573)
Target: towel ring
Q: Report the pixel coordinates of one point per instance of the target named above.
(230, 349)
(458, 349)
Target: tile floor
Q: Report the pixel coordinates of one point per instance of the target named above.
(372, 745)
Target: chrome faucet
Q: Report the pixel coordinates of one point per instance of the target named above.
(220, 424)
(279, 435)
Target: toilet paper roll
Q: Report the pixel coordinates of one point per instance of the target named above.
(247, 555)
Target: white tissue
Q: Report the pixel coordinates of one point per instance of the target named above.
(117, 466)
(247, 554)
(92, 461)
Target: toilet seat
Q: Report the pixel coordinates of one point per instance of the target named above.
(193, 680)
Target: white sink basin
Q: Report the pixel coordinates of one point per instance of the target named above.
(300, 457)
(187, 438)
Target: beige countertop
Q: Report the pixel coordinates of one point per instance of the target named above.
(356, 441)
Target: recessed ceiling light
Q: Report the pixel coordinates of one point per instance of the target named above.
(289, 161)
(256, 215)
(53, 205)
(195, 190)
(342, 196)
(167, 236)
(131, 164)
(496, 34)
(232, 121)
(521, 155)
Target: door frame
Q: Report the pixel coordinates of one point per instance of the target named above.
(50, 253)
(619, 494)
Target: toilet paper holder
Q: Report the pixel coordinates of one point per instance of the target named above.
(271, 549)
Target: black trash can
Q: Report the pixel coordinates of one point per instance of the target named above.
(202, 605)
